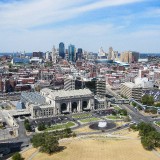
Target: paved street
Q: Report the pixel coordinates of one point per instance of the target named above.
(136, 116)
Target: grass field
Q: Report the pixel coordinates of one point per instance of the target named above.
(29, 152)
(84, 129)
(89, 120)
(158, 123)
(61, 126)
(117, 108)
(113, 117)
(100, 149)
(85, 115)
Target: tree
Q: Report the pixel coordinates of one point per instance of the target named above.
(151, 100)
(48, 141)
(38, 140)
(67, 130)
(26, 121)
(147, 142)
(27, 127)
(51, 145)
(17, 156)
(147, 100)
(155, 137)
(145, 128)
(122, 112)
(134, 104)
(41, 126)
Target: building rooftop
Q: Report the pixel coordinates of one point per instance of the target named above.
(33, 97)
(131, 85)
(63, 93)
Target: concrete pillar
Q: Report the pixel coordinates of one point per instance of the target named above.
(70, 106)
(80, 106)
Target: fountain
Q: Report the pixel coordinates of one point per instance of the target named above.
(102, 125)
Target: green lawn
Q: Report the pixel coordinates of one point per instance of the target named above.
(61, 126)
(158, 123)
(113, 117)
(89, 120)
(117, 108)
(82, 115)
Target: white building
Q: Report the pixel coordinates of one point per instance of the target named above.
(143, 82)
(50, 103)
(131, 90)
(69, 83)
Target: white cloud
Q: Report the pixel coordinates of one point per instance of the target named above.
(40, 12)
(17, 18)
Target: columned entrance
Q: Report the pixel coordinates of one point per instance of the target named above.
(63, 108)
(84, 105)
(74, 107)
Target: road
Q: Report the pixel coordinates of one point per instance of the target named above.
(136, 116)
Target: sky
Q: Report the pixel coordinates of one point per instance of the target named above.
(37, 25)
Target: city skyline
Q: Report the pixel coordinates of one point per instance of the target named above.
(88, 24)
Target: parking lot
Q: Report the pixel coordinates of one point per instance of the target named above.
(48, 121)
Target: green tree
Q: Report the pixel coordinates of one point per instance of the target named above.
(122, 112)
(151, 100)
(50, 145)
(147, 142)
(41, 126)
(17, 156)
(147, 100)
(26, 121)
(155, 137)
(27, 126)
(67, 130)
(134, 104)
(38, 140)
(145, 128)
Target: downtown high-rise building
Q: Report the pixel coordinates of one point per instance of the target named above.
(62, 50)
(79, 54)
(54, 55)
(129, 56)
(71, 53)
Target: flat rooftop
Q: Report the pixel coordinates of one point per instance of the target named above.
(63, 93)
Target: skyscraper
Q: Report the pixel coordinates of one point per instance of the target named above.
(62, 50)
(79, 54)
(129, 56)
(71, 52)
(54, 56)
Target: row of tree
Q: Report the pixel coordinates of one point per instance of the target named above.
(150, 138)
(48, 141)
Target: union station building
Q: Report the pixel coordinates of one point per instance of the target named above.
(49, 103)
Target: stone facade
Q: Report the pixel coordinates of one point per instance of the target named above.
(59, 102)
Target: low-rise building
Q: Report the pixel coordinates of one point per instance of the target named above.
(130, 90)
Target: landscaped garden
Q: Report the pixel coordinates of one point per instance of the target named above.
(60, 126)
(87, 120)
(113, 117)
(158, 123)
(83, 115)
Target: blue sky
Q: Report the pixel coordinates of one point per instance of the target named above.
(37, 25)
